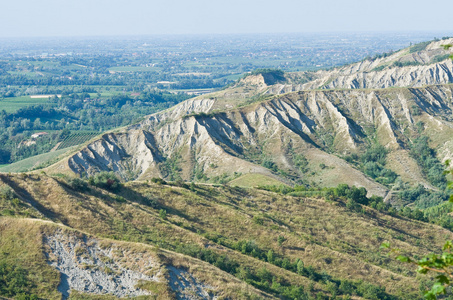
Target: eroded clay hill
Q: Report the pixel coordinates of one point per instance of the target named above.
(251, 128)
(321, 125)
(420, 65)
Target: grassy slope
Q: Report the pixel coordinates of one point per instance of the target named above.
(325, 235)
(22, 244)
(32, 162)
(254, 180)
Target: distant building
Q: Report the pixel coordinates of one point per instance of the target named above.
(38, 134)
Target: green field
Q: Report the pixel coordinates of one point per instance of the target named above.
(11, 105)
(32, 162)
(105, 94)
(25, 73)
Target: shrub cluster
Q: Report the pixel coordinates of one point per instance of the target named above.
(262, 279)
(77, 184)
(14, 282)
(7, 193)
(372, 163)
(105, 180)
(426, 158)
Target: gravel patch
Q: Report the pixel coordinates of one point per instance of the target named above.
(86, 267)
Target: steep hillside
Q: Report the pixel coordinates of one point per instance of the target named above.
(257, 236)
(275, 137)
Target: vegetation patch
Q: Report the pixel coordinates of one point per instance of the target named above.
(104, 180)
(254, 180)
(419, 47)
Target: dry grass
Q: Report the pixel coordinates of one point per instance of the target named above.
(27, 235)
(325, 235)
(254, 180)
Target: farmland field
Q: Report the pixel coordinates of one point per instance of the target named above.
(11, 105)
(76, 139)
(32, 162)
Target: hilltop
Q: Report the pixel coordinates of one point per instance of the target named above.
(426, 63)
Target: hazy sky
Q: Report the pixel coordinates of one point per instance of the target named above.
(27, 18)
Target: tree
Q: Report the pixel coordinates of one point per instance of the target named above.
(300, 267)
(270, 256)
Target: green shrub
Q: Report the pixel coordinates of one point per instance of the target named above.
(281, 239)
(376, 153)
(105, 180)
(150, 201)
(258, 220)
(301, 162)
(426, 158)
(158, 180)
(418, 47)
(7, 192)
(163, 214)
(378, 68)
(406, 63)
(268, 164)
(120, 199)
(14, 282)
(440, 58)
(373, 162)
(77, 184)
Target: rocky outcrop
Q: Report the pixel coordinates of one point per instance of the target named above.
(410, 76)
(92, 266)
(88, 268)
(186, 108)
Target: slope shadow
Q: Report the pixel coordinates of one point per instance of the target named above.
(24, 195)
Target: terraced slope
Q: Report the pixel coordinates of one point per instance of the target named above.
(241, 231)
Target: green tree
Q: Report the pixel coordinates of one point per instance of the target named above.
(270, 256)
(281, 239)
(300, 267)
